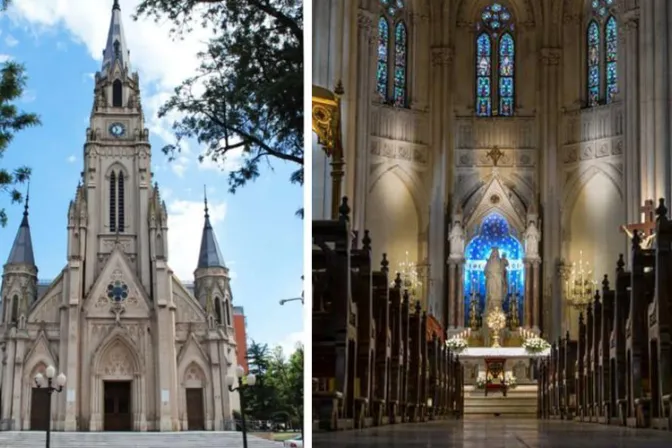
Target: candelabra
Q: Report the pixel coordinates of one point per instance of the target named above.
(410, 280)
(580, 286)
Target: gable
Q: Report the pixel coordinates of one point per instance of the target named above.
(117, 290)
(40, 351)
(46, 308)
(495, 196)
(192, 351)
(188, 308)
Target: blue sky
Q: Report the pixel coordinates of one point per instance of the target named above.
(61, 42)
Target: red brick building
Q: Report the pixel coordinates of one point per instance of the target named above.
(240, 327)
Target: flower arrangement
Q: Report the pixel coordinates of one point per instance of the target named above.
(510, 381)
(481, 382)
(535, 345)
(456, 344)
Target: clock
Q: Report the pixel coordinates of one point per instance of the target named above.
(117, 129)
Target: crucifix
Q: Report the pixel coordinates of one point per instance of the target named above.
(495, 154)
(117, 309)
(648, 227)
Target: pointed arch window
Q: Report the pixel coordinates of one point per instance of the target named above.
(392, 64)
(117, 94)
(116, 187)
(15, 309)
(218, 310)
(495, 62)
(227, 312)
(601, 53)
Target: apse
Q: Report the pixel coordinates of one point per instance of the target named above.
(494, 231)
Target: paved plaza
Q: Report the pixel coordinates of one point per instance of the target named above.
(495, 433)
(36, 439)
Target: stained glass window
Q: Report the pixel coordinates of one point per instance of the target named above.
(506, 66)
(495, 62)
(392, 67)
(483, 76)
(494, 232)
(117, 291)
(400, 65)
(383, 50)
(593, 64)
(611, 56)
(602, 53)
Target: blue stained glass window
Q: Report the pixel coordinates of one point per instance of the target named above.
(593, 64)
(400, 43)
(495, 69)
(383, 56)
(117, 291)
(611, 55)
(506, 69)
(494, 232)
(483, 76)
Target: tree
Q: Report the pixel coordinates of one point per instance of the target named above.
(247, 94)
(12, 120)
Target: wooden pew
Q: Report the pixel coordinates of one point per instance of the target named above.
(424, 368)
(362, 293)
(636, 335)
(594, 379)
(617, 365)
(569, 383)
(560, 378)
(433, 377)
(405, 368)
(334, 323)
(606, 327)
(415, 336)
(660, 325)
(579, 371)
(383, 362)
(553, 383)
(541, 387)
(398, 355)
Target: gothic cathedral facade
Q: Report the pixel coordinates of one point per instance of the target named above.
(141, 350)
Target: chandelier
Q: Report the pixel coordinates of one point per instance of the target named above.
(410, 279)
(580, 284)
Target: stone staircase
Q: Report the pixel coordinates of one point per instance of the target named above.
(520, 402)
(36, 439)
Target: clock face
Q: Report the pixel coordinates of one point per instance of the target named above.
(117, 129)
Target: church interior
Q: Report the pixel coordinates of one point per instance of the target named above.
(490, 181)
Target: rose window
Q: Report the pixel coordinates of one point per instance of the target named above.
(117, 291)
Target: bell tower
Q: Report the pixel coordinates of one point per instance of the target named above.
(117, 161)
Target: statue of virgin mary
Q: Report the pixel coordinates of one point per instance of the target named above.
(495, 280)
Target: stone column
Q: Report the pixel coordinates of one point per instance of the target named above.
(451, 315)
(564, 272)
(21, 339)
(536, 310)
(460, 293)
(550, 194)
(367, 38)
(628, 66)
(8, 381)
(527, 303)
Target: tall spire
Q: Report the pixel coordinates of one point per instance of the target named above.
(210, 256)
(116, 47)
(22, 250)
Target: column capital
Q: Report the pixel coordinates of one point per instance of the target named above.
(455, 261)
(532, 261)
(364, 20)
(550, 56)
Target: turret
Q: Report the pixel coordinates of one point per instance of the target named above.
(19, 279)
(212, 287)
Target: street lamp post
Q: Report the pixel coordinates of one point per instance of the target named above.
(294, 299)
(250, 381)
(48, 383)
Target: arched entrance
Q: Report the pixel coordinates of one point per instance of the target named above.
(117, 388)
(493, 232)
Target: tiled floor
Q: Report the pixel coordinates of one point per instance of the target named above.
(496, 433)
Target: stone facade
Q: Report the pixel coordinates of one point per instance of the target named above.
(116, 316)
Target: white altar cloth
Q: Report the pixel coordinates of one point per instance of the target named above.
(500, 352)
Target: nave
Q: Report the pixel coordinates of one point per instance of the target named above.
(495, 433)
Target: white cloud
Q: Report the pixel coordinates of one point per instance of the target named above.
(289, 342)
(4, 58)
(231, 162)
(179, 165)
(11, 41)
(161, 63)
(72, 159)
(28, 96)
(185, 226)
